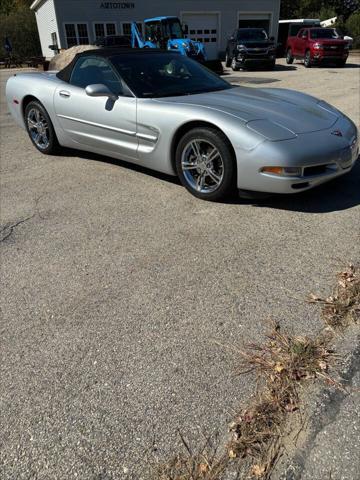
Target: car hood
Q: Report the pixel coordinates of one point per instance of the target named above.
(294, 111)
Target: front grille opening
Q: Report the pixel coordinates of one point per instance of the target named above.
(317, 170)
(299, 186)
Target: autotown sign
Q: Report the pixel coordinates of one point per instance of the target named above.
(117, 5)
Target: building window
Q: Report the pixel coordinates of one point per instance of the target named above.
(110, 29)
(126, 28)
(104, 29)
(83, 34)
(76, 34)
(71, 38)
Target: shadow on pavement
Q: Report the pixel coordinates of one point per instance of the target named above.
(339, 194)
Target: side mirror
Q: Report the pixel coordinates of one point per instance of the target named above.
(232, 38)
(100, 90)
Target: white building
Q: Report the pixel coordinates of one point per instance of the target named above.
(71, 22)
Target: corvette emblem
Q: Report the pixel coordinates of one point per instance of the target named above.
(337, 133)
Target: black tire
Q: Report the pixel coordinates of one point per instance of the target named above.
(204, 136)
(307, 59)
(227, 60)
(52, 145)
(234, 65)
(341, 63)
(289, 57)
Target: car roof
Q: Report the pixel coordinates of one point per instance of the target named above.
(108, 52)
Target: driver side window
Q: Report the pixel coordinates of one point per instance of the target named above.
(93, 70)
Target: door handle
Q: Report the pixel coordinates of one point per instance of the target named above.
(64, 93)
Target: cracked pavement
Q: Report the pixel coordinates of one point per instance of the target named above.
(121, 294)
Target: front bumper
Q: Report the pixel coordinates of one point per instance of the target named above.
(321, 156)
(253, 59)
(322, 57)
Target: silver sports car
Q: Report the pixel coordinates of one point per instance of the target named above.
(167, 112)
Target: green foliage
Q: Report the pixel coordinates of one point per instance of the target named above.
(326, 13)
(19, 25)
(353, 27)
(322, 9)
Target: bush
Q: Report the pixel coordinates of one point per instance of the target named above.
(353, 27)
(20, 27)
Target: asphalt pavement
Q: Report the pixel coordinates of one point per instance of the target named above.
(124, 298)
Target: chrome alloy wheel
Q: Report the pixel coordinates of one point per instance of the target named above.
(202, 166)
(38, 128)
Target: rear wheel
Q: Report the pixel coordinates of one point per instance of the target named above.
(227, 60)
(40, 128)
(307, 59)
(205, 164)
(289, 57)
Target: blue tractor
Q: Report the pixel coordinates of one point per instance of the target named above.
(167, 33)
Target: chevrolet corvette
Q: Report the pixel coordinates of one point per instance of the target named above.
(167, 112)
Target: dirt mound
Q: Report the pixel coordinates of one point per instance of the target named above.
(64, 58)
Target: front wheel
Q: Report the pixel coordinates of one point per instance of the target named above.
(307, 59)
(234, 65)
(289, 57)
(205, 164)
(341, 63)
(40, 128)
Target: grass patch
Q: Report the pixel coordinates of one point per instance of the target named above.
(343, 306)
(283, 364)
(204, 463)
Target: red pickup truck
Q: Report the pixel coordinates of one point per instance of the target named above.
(316, 46)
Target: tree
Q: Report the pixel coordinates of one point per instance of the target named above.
(353, 27)
(17, 22)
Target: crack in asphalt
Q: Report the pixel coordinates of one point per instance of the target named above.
(9, 228)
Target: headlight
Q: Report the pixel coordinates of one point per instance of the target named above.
(283, 171)
(318, 46)
(241, 47)
(185, 45)
(271, 131)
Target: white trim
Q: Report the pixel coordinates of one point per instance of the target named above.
(76, 31)
(256, 13)
(205, 12)
(104, 24)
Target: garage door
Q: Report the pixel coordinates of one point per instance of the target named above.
(204, 28)
(261, 20)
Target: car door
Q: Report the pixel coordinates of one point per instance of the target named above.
(301, 42)
(97, 123)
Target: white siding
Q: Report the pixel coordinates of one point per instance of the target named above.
(47, 24)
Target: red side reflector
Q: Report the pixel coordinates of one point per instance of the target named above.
(16, 101)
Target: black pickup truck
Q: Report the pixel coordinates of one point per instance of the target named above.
(250, 47)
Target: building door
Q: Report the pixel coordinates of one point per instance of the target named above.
(256, 20)
(204, 28)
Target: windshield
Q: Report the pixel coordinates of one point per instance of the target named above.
(166, 75)
(172, 28)
(255, 34)
(323, 33)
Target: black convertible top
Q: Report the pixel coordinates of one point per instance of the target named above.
(65, 73)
